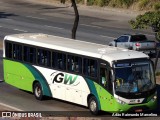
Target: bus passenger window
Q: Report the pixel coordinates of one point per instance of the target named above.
(17, 52)
(8, 48)
(59, 60)
(103, 77)
(74, 64)
(93, 68)
(44, 57)
(29, 54)
(54, 59)
(90, 67)
(32, 55)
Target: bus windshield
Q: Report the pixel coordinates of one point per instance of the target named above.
(133, 77)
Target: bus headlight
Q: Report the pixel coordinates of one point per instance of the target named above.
(154, 98)
(120, 101)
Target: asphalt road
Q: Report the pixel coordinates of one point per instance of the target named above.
(17, 16)
(20, 17)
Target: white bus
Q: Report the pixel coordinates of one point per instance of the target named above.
(93, 75)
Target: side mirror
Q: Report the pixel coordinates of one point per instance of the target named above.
(115, 40)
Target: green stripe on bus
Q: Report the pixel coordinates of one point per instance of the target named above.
(23, 76)
(93, 91)
(39, 77)
(106, 101)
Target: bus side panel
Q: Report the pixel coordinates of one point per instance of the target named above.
(22, 76)
(16, 74)
(106, 99)
(66, 86)
(38, 76)
(93, 91)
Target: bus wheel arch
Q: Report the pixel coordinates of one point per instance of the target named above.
(93, 104)
(37, 90)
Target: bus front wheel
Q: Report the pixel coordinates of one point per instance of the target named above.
(93, 105)
(37, 90)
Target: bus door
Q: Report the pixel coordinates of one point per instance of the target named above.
(105, 88)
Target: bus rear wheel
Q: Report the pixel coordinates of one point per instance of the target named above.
(93, 105)
(37, 90)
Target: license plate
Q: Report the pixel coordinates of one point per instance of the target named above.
(138, 110)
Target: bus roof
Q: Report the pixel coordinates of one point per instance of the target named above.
(76, 46)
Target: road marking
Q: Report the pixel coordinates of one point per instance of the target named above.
(7, 19)
(91, 26)
(20, 30)
(67, 23)
(36, 17)
(53, 27)
(11, 107)
(108, 37)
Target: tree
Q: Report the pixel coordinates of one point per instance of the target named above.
(149, 19)
(76, 21)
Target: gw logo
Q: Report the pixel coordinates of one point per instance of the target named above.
(64, 78)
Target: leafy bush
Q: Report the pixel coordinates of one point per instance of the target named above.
(143, 4)
(80, 1)
(157, 6)
(98, 2)
(146, 20)
(121, 3)
(101, 3)
(90, 2)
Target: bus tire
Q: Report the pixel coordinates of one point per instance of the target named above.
(93, 105)
(37, 90)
